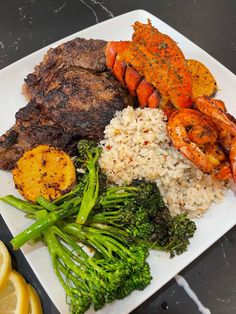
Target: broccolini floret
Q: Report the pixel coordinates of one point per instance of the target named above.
(88, 154)
(139, 210)
(119, 223)
(180, 230)
(140, 194)
(120, 269)
(117, 248)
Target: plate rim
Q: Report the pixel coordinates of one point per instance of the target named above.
(138, 12)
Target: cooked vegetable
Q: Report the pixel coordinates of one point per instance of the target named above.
(88, 154)
(44, 170)
(179, 230)
(140, 194)
(136, 212)
(131, 208)
(119, 223)
(203, 82)
(139, 212)
(87, 280)
(44, 218)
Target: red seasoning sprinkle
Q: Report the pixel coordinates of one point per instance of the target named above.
(146, 142)
(108, 147)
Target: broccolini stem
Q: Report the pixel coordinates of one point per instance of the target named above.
(68, 196)
(76, 247)
(30, 216)
(46, 204)
(104, 217)
(116, 195)
(18, 203)
(111, 229)
(119, 189)
(66, 256)
(38, 227)
(95, 237)
(90, 192)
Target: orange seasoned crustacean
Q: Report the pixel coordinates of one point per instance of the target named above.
(189, 130)
(225, 124)
(216, 110)
(197, 135)
(152, 67)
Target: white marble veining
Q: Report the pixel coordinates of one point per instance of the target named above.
(16, 44)
(109, 13)
(222, 300)
(61, 7)
(30, 1)
(184, 284)
(89, 4)
(26, 19)
(224, 254)
(21, 13)
(91, 8)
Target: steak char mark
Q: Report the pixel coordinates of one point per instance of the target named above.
(71, 96)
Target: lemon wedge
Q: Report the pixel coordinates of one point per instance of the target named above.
(35, 306)
(14, 298)
(5, 265)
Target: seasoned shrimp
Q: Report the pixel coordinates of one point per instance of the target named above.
(214, 153)
(226, 126)
(225, 138)
(201, 129)
(225, 135)
(189, 130)
(232, 157)
(223, 172)
(216, 110)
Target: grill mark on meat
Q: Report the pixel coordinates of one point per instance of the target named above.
(72, 96)
(82, 53)
(10, 139)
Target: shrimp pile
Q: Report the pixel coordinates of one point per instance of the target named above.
(206, 135)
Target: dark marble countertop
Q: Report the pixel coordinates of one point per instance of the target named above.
(27, 25)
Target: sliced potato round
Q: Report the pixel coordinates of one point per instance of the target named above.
(44, 170)
(203, 82)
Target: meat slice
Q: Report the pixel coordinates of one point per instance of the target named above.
(79, 52)
(74, 103)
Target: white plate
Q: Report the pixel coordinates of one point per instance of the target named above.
(218, 220)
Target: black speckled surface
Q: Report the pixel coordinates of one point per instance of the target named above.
(27, 25)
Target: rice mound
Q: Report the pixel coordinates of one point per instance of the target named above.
(136, 146)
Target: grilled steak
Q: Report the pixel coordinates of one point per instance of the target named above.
(72, 96)
(82, 53)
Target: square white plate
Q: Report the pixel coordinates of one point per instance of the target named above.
(218, 220)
